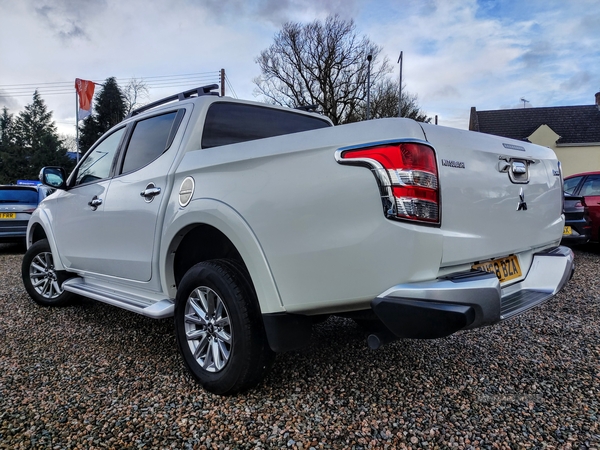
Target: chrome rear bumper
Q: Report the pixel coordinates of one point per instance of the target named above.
(467, 300)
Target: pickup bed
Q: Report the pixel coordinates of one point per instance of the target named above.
(248, 223)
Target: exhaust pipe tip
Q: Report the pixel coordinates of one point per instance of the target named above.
(379, 339)
(374, 342)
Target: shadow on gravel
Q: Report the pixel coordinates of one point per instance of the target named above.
(590, 247)
(16, 248)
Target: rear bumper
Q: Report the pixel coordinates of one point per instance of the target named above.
(467, 300)
(575, 240)
(580, 233)
(12, 230)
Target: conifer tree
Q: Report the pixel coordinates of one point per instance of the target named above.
(7, 147)
(30, 142)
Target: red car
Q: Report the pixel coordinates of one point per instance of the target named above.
(587, 185)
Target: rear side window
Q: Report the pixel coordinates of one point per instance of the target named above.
(150, 138)
(26, 196)
(230, 123)
(591, 186)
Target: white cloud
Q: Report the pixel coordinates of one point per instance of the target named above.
(457, 53)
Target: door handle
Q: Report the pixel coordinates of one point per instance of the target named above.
(95, 202)
(150, 192)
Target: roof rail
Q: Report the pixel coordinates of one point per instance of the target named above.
(308, 108)
(202, 90)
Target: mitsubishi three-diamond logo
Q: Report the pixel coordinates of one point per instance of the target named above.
(522, 206)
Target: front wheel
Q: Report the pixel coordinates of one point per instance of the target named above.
(219, 329)
(42, 281)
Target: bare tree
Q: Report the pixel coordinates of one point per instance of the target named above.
(136, 94)
(69, 142)
(384, 103)
(323, 64)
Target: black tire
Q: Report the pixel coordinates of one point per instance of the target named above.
(42, 282)
(266, 357)
(216, 306)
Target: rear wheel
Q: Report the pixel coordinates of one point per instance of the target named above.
(219, 329)
(42, 281)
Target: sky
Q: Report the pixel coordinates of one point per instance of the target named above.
(457, 54)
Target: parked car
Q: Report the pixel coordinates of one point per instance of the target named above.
(578, 226)
(16, 205)
(587, 185)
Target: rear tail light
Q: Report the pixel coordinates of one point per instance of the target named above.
(407, 176)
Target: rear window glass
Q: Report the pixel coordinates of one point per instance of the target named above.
(571, 184)
(28, 196)
(230, 123)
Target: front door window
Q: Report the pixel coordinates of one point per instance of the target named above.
(97, 164)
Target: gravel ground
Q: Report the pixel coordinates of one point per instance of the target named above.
(94, 376)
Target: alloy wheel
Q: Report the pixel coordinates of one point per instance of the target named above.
(43, 276)
(208, 329)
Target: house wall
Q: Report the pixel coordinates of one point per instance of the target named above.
(578, 159)
(573, 158)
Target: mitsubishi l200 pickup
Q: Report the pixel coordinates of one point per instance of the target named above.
(249, 222)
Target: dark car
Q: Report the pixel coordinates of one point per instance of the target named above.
(577, 221)
(587, 185)
(16, 205)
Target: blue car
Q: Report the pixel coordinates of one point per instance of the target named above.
(17, 202)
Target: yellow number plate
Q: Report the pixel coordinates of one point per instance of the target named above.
(567, 231)
(8, 215)
(505, 269)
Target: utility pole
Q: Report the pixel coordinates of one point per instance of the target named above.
(369, 58)
(222, 82)
(400, 87)
(77, 126)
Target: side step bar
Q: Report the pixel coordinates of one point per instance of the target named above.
(158, 308)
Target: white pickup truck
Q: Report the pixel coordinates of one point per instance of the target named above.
(248, 223)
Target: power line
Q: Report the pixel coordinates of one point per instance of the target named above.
(230, 86)
(67, 87)
(71, 83)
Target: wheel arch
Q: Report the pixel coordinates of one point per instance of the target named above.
(208, 229)
(39, 228)
(37, 233)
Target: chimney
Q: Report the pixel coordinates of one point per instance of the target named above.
(474, 119)
(598, 100)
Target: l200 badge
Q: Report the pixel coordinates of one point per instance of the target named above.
(454, 164)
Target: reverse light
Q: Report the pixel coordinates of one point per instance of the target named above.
(407, 176)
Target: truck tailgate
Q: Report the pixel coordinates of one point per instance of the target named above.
(498, 196)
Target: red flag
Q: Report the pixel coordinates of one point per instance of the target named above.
(85, 91)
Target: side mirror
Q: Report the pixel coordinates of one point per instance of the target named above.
(55, 177)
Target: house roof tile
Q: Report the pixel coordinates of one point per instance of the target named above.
(574, 124)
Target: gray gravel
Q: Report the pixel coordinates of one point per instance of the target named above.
(94, 376)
